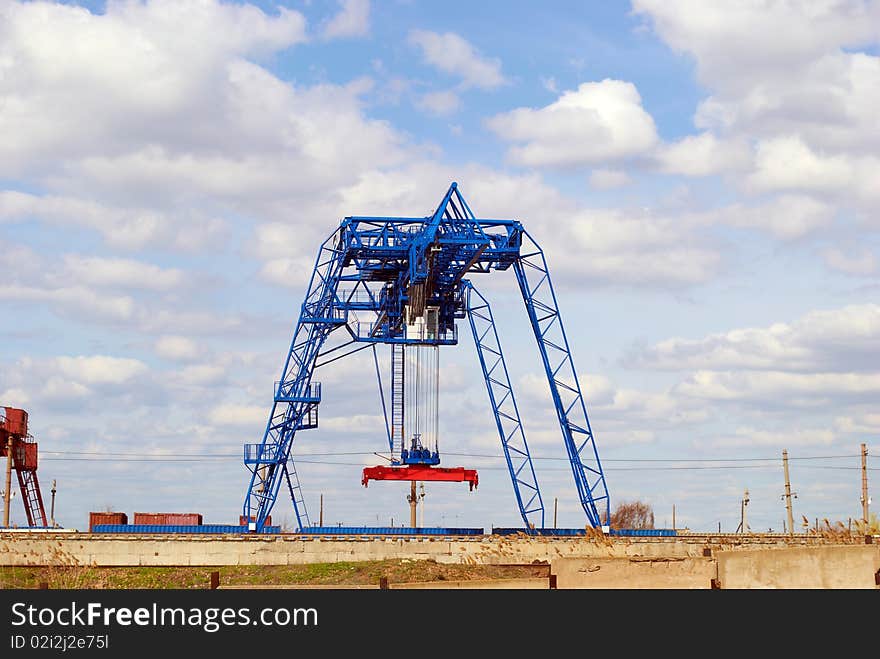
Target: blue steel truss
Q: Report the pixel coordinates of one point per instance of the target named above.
(507, 420)
(373, 276)
(537, 291)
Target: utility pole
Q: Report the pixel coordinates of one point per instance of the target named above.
(555, 505)
(321, 513)
(413, 503)
(8, 498)
(52, 511)
(745, 502)
(787, 492)
(865, 501)
(673, 517)
(422, 499)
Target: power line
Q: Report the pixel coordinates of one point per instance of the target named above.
(163, 459)
(177, 456)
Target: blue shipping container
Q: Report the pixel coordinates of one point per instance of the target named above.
(387, 530)
(201, 528)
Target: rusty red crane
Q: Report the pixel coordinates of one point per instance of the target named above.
(20, 451)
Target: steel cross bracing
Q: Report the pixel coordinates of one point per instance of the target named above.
(537, 291)
(373, 276)
(507, 420)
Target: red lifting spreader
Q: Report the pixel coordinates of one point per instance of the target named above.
(421, 473)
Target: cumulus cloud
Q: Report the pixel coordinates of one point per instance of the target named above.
(73, 301)
(786, 217)
(127, 228)
(781, 389)
(238, 415)
(798, 80)
(177, 348)
(291, 273)
(79, 126)
(859, 262)
(598, 122)
(836, 340)
(787, 163)
(122, 273)
(442, 103)
(610, 245)
(450, 53)
(353, 20)
(100, 369)
(68, 73)
(750, 436)
(860, 423)
(605, 179)
(704, 155)
(71, 380)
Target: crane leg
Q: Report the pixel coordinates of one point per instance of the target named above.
(295, 406)
(540, 300)
(507, 420)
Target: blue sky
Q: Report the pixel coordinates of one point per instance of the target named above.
(703, 178)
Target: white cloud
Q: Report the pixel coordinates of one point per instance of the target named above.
(837, 340)
(100, 369)
(353, 20)
(74, 301)
(740, 41)
(238, 415)
(121, 227)
(260, 146)
(627, 247)
(292, 273)
(598, 122)
(787, 217)
(776, 388)
(68, 73)
(441, 104)
(615, 407)
(787, 163)
(201, 375)
(750, 436)
(605, 179)
(796, 78)
(860, 262)
(450, 53)
(15, 397)
(703, 155)
(177, 348)
(586, 246)
(123, 273)
(863, 423)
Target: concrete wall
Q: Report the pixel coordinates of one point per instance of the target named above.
(121, 550)
(623, 562)
(843, 566)
(634, 573)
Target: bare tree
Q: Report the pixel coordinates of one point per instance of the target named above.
(632, 515)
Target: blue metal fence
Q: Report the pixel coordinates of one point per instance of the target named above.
(194, 528)
(387, 530)
(574, 532)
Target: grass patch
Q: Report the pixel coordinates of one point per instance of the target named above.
(340, 573)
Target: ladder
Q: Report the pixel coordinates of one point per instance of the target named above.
(33, 500)
(397, 396)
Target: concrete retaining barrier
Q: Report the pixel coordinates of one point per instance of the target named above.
(843, 566)
(634, 573)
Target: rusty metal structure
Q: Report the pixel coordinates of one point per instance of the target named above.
(20, 451)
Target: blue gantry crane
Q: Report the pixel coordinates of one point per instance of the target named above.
(405, 281)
